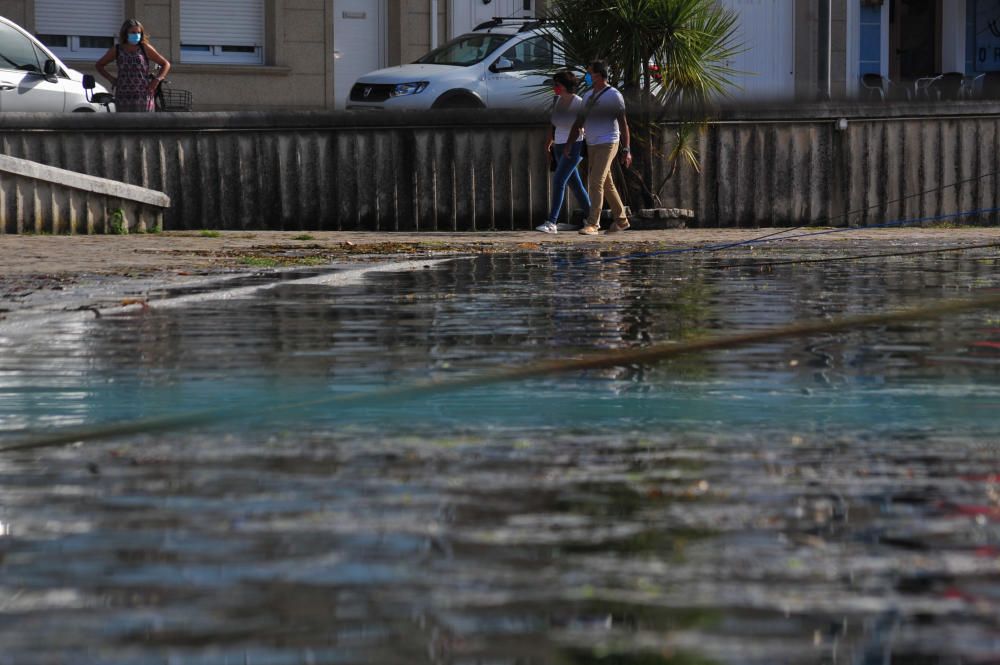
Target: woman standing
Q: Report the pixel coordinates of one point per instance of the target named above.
(564, 113)
(135, 86)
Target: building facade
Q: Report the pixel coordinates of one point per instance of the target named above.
(901, 40)
(908, 40)
(306, 54)
(261, 54)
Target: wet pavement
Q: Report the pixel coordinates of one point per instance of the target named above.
(834, 499)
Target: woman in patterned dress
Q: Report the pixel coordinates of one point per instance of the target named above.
(134, 86)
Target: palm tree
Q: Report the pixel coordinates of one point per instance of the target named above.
(666, 56)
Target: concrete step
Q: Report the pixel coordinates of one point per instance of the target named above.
(35, 198)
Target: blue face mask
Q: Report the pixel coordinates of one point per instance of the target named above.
(134, 38)
(588, 79)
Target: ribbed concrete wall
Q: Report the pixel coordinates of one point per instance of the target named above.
(771, 172)
(309, 170)
(487, 171)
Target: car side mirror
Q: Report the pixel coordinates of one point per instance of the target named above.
(88, 81)
(50, 70)
(502, 64)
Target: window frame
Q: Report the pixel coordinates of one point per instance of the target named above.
(73, 50)
(204, 54)
(198, 52)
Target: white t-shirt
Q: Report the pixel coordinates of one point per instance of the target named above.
(601, 125)
(563, 119)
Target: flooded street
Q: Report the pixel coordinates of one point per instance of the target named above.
(828, 500)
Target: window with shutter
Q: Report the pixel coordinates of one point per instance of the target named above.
(222, 31)
(79, 29)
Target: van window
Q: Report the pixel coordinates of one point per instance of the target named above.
(534, 53)
(465, 51)
(17, 51)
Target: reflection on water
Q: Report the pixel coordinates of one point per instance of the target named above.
(827, 500)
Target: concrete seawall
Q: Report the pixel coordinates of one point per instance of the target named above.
(891, 162)
(456, 171)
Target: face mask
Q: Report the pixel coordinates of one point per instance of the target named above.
(134, 38)
(557, 90)
(588, 79)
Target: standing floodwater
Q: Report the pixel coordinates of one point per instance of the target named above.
(834, 499)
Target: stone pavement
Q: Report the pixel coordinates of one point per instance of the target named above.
(46, 272)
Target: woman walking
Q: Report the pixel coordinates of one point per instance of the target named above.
(567, 158)
(606, 126)
(135, 86)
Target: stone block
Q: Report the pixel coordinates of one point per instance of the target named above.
(665, 213)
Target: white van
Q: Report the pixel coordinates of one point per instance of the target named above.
(32, 79)
(496, 65)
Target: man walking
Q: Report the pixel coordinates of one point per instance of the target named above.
(605, 126)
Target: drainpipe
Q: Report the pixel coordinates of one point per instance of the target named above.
(825, 48)
(434, 24)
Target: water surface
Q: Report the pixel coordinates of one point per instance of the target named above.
(833, 499)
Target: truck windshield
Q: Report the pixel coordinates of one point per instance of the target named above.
(465, 50)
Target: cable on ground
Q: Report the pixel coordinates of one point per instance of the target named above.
(534, 370)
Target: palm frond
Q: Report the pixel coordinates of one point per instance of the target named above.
(675, 51)
(667, 56)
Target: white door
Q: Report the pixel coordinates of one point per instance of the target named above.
(359, 37)
(516, 84)
(467, 14)
(23, 86)
(766, 30)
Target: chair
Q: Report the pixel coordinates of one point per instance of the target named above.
(898, 92)
(872, 88)
(971, 86)
(922, 87)
(990, 86)
(947, 86)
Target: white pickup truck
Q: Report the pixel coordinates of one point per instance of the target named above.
(496, 65)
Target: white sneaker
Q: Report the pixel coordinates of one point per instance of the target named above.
(547, 227)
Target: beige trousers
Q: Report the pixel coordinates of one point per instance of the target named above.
(600, 184)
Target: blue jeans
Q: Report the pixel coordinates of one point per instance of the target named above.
(565, 174)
